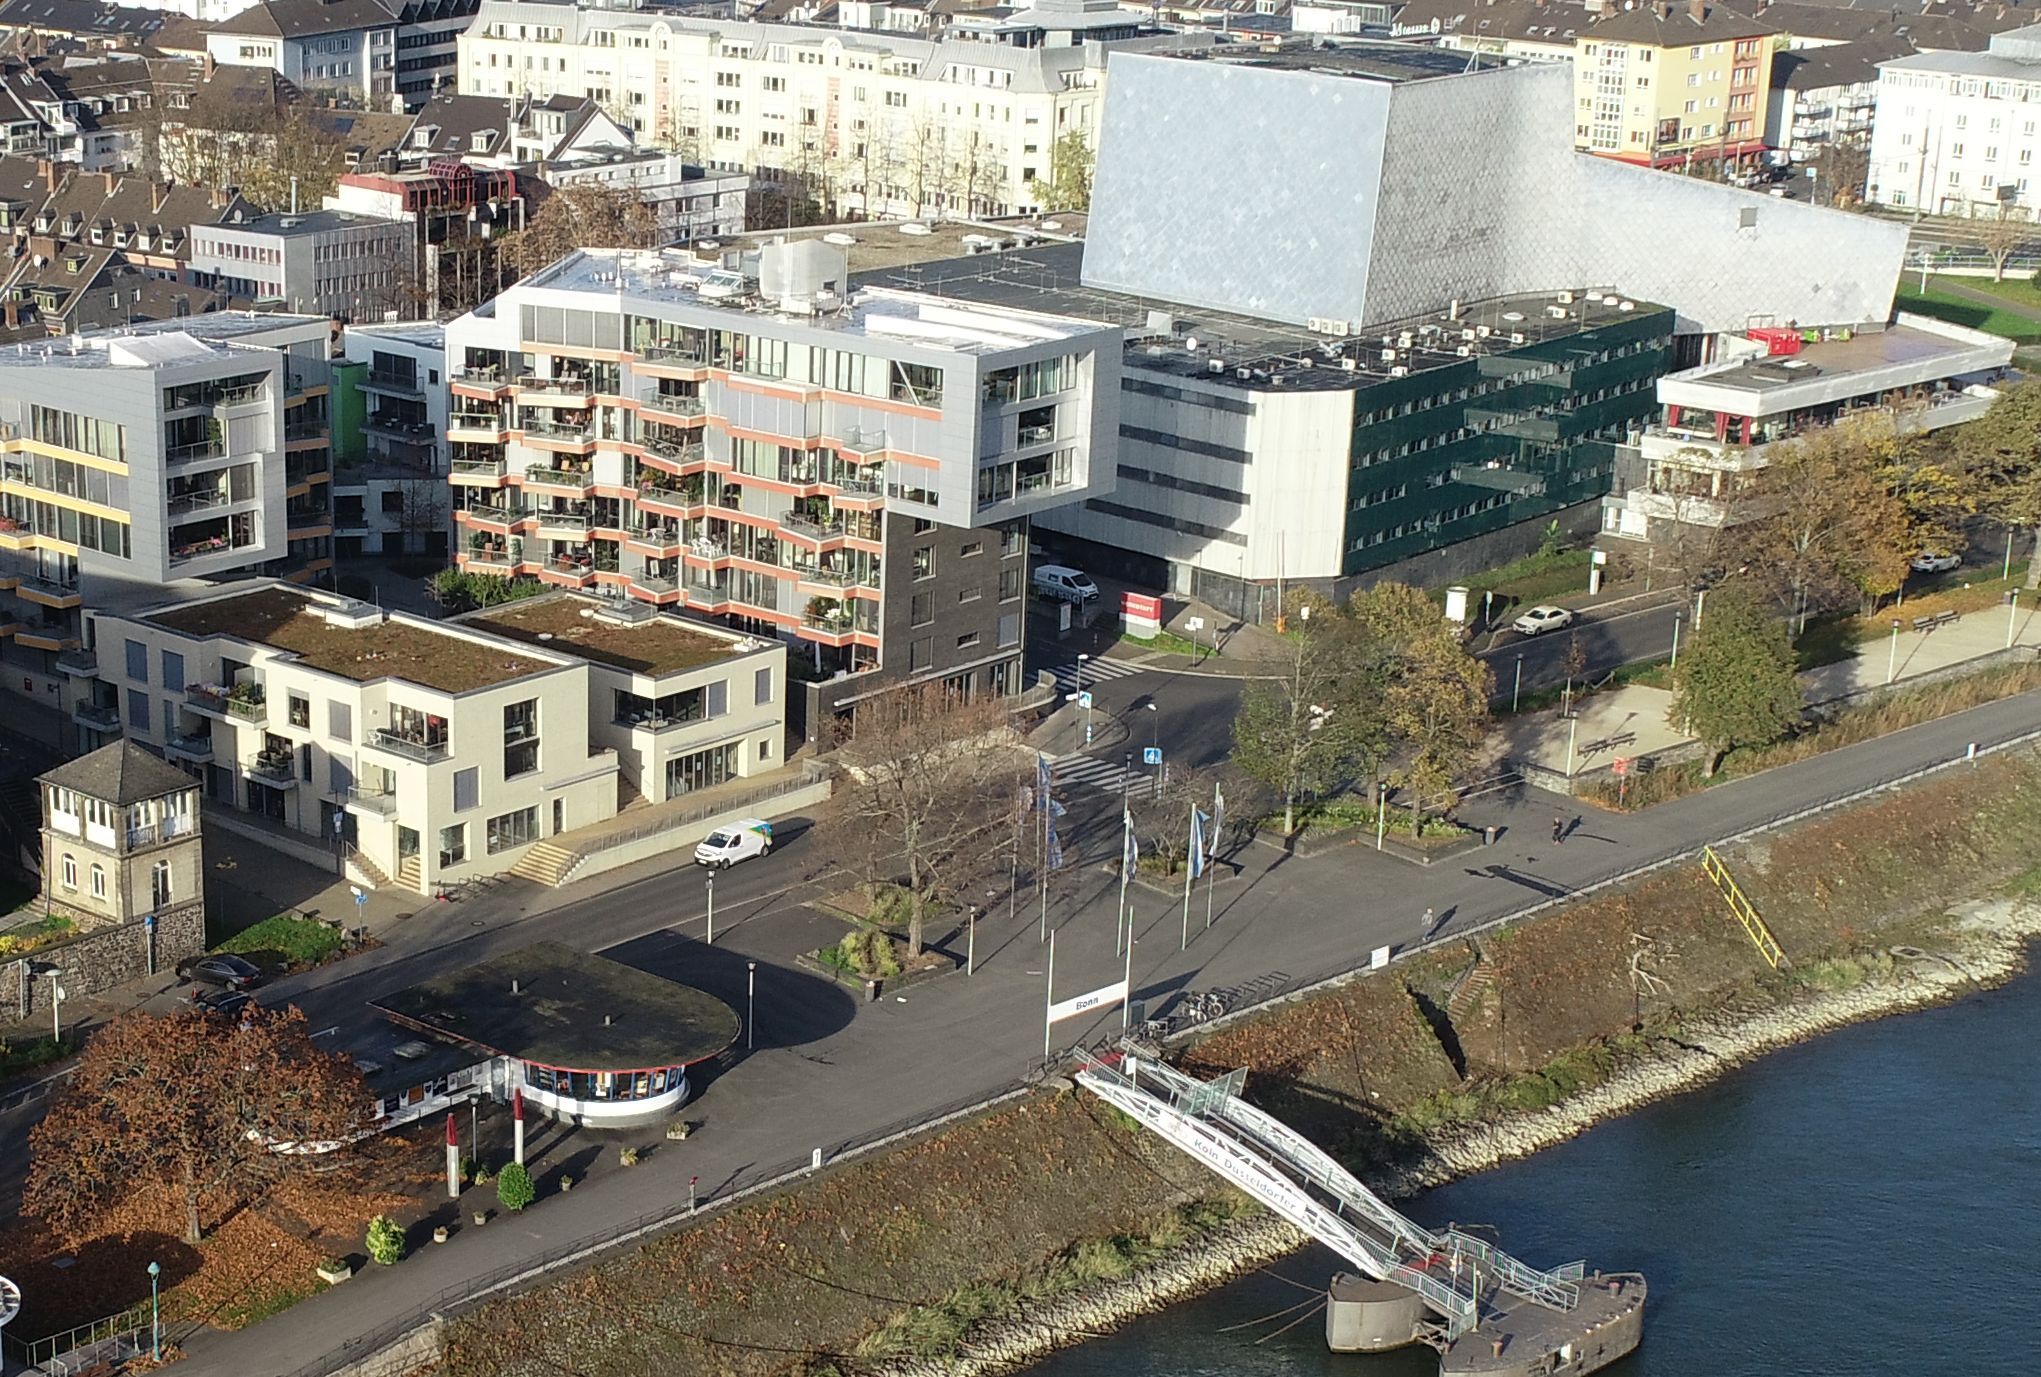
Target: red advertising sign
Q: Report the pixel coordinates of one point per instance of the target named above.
(1141, 606)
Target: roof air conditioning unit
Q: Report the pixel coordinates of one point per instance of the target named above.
(1399, 372)
(1565, 298)
(1556, 312)
(1465, 350)
(1405, 340)
(1388, 356)
(1482, 332)
(1627, 306)
(1348, 365)
(1516, 337)
(1468, 335)
(1243, 373)
(1218, 365)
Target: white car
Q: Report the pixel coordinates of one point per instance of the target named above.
(739, 841)
(1928, 562)
(1541, 619)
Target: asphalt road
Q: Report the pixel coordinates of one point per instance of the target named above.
(830, 1072)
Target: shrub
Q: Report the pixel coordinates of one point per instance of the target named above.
(627, 1156)
(867, 952)
(385, 1241)
(300, 941)
(514, 1189)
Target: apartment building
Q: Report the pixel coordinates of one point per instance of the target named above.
(1664, 85)
(331, 262)
(365, 51)
(1953, 133)
(853, 472)
(1715, 425)
(884, 125)
(389, 485)
(131, 460)
(1823, 99)
(434, 752)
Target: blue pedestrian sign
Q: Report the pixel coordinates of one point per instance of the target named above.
(1151, 755)
(359, 897)
(1084, 700)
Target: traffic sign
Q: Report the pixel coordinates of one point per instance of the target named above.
(1084, 700)
(1151, 755)
(1194, 624)
(1620, 766)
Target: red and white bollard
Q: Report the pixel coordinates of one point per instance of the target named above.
(453, 1160)
(517, 1124)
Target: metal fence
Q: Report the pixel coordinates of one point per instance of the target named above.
(113, 1339)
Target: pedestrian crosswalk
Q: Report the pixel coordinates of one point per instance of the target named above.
(1097, 772)
(1095, 672)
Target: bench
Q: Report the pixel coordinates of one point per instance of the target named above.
(1933, 620)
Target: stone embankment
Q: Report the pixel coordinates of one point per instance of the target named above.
(1985, 944)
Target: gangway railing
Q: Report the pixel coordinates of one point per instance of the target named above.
(1754, 925)
(1280, 1168)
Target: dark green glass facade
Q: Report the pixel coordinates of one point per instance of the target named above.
(1459, 449)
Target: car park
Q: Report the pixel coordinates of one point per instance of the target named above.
(225, 1003)
(1542, 619)
(226, 972)
(1061, 582)
(737, 841)
(1934, 562)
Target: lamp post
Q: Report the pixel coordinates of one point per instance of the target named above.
(1892, 654)
(1155, 742)
(57, 998)
(710, 877)
(1126, 777)
(1676, 619)
(1700, 602)
(155, 1315)
(2012, 616)
(750, 1004)
(1517, 692)
(1081, 659)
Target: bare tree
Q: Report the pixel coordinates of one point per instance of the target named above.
(582, 215)
(424, 513)
(2000, 238)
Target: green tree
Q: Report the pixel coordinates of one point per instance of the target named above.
(2000, 454)
(1071, 160)
(514, 1189)
(1307, 730)
(1434, 695)
(1735, 685)
(385, 1241)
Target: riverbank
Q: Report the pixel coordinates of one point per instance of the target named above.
(954, 1254)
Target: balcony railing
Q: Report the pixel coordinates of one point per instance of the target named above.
(857, 482)
(490, 468)
(402, 429)
(566, 521)
(80, 663)
(672, 404)
(496, 513)
(648, 533)
(491, 559)
(167, 829)
(198, 746)
(307, 430)
(556, 430)
(376, 801)
(278, 767)
(103, 717)
(183, 503)
(487, 377)
(199, 549)
(811, 526)
(411, 747)
(565, 478)
(476, 420)
(862, 440)
(395, 382)
(222, 703)
(202, 449)
(673, 353)
(673, 451)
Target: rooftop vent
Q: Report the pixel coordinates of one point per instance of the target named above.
(351, 614)
(411, 1051)
(622, 612)
(838, 237)
(916, 228)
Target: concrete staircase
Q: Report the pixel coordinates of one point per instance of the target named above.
(363, 871)
(1473, 984)
(543, 863)
(407, 873)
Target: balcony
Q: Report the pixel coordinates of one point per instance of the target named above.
(826, 577)
(308, 430)
(476, 425)
(858, 483)
(279, 768)
(156, 833)
(575, 433)
(420, 749)
(657, 584)
(655, 536)
(192, 453)
(243, 703)
(101, 717)
(672, 404)
(402, 384)
(505, 514)
(674, 356)
(488, 379)
(568, 390)
(574, 522)
(495, 560)
(659, 448)
(580, 480)
(402, 429)
(378, 801)
(484, 469)
(197, 747)
(185, 503)
(49, 592)
(814, 528)
(862, 442)
(78, 664)
(210, 545)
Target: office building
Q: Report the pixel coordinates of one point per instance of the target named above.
(329, 262)
(368, 52)
(131, 460)
(851, 471)
(1715, 425)
(433, 752)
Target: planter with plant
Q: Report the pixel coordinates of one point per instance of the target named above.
(385, 1241)
(514, 1189)
(335, 1270)
(627, 1156)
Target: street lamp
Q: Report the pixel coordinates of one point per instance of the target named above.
(1676, 619)
(750, 1003)
(1080, 671)
(2012, 616)
(1892, 655)
(710, 876)
(57, 997)
(1517, 692)
(155, 1315)
(1155, 744)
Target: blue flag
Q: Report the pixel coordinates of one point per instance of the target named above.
(1197, 846)
(1218, 822)
(1130, 850)
(1043, 780)
(1055, 846)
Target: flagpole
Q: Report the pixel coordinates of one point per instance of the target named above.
(1127, 991)
(1120, 918)
(1190, 871)
(1042, 799)
(1049, 998)
(1211, 871)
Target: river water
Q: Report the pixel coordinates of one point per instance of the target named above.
(1866, 1203)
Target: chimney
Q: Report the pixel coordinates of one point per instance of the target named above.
(218, 196)
(112, 180)
(49, 174)
(159, 196)
(1697, 10)
(12, 311)
(207, 68)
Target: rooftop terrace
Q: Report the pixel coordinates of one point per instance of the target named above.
(879, 245)
(569, 625)
(290, 620)
(569, 1010)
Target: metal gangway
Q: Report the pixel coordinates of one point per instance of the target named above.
(1455, 1274)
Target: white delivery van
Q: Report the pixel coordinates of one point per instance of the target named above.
(1063, 583)
(735, 842)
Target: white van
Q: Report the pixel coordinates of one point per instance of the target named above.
(1063, 583)
(739, 841)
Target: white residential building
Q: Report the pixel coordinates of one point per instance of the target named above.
(370, 52)
(1956, 133)
(439, 751)
(894, 125)
(389, 492)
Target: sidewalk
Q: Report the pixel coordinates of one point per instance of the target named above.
(1631, 721)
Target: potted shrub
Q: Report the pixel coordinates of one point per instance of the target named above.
(481, 1218)
(566, 1184)
(514, 1189)
(627, 1156)
(335, 1270)
(439, 1234)
(678, 1130)
(385, 1241)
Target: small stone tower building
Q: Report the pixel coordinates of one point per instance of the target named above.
(121, 846)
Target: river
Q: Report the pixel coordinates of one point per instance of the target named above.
(1865, 1203)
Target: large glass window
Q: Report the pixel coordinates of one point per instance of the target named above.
(520, 738)
(701, 770)
(453, 845)
(508, 830)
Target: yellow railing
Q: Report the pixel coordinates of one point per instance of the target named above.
(1753, 925)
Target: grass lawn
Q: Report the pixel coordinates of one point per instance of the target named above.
(285, 942)
(1168, 642)
(1942, 304)
(1532, 579)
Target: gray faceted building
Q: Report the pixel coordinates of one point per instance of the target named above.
(1387, 320)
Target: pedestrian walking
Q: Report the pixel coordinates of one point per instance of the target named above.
(1558, 831)
(1424, 924)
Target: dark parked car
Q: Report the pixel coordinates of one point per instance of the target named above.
(225, 1003)
(227, 972)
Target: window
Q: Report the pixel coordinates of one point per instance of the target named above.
(160, 893)
(70, 871)
(971, 592)
(138, 662)
(702, 770)
(1009, 584)
(98, 881)
(453, 845)
(1010, 542)
(467, 789)
(1009, 629)
(971, 549)
(513, 829)
(967, 641)
(138, 710)
(924, 562)
(339, 720)
(301, 711)
(920, 653)
(173, 671)
(761, 686)
(520, 738)
(718, 696)
(921, 609)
